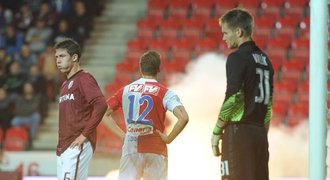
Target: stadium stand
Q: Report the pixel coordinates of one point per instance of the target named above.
(190, 27)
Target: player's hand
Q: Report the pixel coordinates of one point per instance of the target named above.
(164, 137)
(215, 144)
(78, 142)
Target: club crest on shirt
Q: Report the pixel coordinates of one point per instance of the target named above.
(70, 84)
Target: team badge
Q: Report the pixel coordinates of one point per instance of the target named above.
(70, 84)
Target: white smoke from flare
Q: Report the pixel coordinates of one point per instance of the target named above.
(202, 91)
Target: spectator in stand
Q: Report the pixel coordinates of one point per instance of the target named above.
(2, 78)
(47, 14)
(27, 108)
(37, 36)
(6, 16)
(12, 40)
(14, 79)
(34, 5)
(62, 7)
(13, 5)
(81, 21)
(62, 31)
(6, 111)
(47, 65)
(38, 81)
(25, 58)
(4, 60)
(24, 18)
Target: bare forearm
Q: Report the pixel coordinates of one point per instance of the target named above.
(183, 119)
(110, 123)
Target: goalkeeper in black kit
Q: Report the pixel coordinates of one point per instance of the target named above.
(244, 117)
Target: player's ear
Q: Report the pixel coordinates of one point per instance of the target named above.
(75, 57)
(239, 32)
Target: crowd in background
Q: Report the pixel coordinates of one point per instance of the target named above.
(29, 78)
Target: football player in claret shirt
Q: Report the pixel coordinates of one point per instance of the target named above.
(245, 114)
(144, 103)
(81, 108)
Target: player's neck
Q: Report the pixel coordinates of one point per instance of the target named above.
(243, 40)
(148, 77)
(73, 71)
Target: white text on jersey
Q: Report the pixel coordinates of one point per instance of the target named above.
(145, 89)
(66, 97)
(260, 59)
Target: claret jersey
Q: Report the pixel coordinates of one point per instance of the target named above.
(144, 103)
(81, 108)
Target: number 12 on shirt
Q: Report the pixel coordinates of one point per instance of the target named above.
(141, 118)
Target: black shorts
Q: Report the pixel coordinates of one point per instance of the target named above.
(244, 153)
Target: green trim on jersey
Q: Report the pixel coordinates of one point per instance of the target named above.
(269, 112)
(233, 108)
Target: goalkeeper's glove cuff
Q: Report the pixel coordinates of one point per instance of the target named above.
(218, 130)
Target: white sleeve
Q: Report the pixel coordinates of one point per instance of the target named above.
(171, 100)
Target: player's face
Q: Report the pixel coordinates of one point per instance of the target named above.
(229, 36)
(64, 61)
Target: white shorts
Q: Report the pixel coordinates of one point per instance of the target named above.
(73, 164)
(147, 165)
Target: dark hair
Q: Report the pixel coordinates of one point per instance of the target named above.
(150, 63)
(238, 18)
(70, 45)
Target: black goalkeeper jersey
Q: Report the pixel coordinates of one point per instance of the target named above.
(249, 86)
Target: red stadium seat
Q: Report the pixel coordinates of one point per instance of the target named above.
(280, 109)
(146, 28)
(221, 6)
(295, 8)
(182, 45)
(287, 27)
(147, 24)
(157, 8)
(192, 29)
(300, 43)
(179, 9)
(303, 92)
(212, 29)
(182, 49)
(17, 139)
(265, 28)
(136, 44)
(272, 8)
(206, 45)
(300, 54)
(294, 64)
(202, 8)
(299, 110)
(278, 43)
(169, 28)
(145, 34)
(260, 42)
(285, 87)
(251, 5)
(277, 53)
(282, 97)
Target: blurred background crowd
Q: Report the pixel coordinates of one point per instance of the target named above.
(29, 78)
